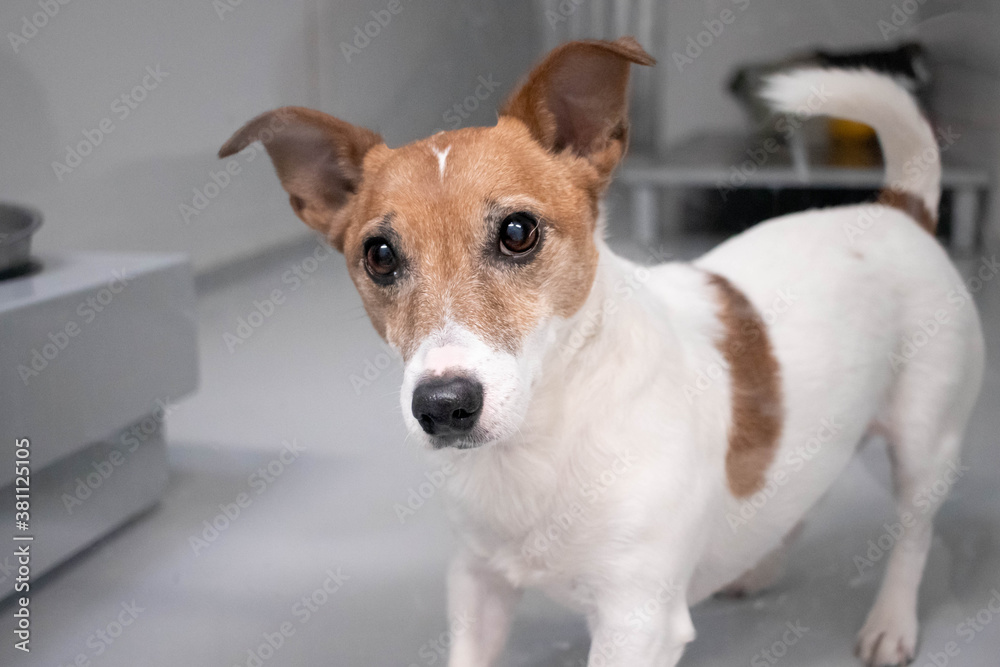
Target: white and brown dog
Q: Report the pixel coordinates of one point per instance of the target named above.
(606, 421)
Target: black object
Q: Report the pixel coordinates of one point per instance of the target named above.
(447, 405)
(17, 225)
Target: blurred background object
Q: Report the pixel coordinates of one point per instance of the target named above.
(905, 63)
(17, 226)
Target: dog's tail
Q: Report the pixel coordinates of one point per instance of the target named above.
(909, 148)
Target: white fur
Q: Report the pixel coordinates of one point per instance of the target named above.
(506, 379)
(907, 141)
(607, 485)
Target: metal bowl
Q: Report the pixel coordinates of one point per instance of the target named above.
(17, 225)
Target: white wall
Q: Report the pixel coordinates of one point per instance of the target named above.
(126, 195)
(961, 36)
(688, 88)
(686, 94)
(222, 71)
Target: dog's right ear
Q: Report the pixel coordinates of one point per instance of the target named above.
(577, 99)
(318, 159)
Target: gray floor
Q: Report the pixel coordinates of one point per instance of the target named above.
(298, 378)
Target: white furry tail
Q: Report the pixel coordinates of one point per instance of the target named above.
(910, 151)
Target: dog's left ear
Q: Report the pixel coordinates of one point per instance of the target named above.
(577, 99)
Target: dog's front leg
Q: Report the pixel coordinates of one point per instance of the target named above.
(646, 627)
(480, 605)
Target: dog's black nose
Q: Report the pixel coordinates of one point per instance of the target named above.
(447, 405)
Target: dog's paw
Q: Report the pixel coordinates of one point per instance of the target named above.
(888, 639)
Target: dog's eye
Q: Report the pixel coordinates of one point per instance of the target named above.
(518, 234)
(380, 260)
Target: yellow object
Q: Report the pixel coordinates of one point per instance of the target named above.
(848, 130)
(852, 144)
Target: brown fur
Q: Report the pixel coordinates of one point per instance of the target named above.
(911, 205)
(577, 99)
(550, 154)
(446, 228)
(757, 410)
(318, 159)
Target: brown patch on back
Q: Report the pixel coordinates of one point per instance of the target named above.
(911, 205)
(756, 390)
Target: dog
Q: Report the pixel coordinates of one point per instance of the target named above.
(606, 421)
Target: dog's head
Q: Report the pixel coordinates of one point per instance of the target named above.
(465, 245)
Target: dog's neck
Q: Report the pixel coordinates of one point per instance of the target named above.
(596, 319)
(597, 362)
(588, 350)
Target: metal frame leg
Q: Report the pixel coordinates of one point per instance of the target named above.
(644, 212)
(964, 219)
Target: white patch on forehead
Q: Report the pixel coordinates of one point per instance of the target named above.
(442, 156)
